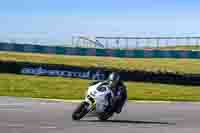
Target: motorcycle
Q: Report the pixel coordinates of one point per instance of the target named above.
(97, 101)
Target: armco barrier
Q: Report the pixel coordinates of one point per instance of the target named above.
(99, 52)
(28, 68)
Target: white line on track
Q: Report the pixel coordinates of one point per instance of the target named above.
(48, 127)
(13, 104)
(8, 109)
(16, 125)
(23, 126)
(11, 107)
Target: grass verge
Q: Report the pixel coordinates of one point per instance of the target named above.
(189, 66)
(181, 47)
(65, 88)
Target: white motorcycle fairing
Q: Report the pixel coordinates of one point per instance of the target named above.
(96, 102)
(97, 97)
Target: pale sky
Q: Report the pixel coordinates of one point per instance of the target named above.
(59, 20)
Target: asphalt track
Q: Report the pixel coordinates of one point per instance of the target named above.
(19, 115)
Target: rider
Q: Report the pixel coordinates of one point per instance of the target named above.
(119, 90)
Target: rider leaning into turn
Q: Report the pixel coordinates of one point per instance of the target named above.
(119, 90)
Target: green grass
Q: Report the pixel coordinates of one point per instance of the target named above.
(173, 65)
(181, 47)
(65, 88)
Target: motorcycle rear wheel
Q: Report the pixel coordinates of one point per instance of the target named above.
(80, 111)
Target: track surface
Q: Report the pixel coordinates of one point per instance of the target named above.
(19, 115)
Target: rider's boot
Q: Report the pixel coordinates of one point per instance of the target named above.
(119, 105)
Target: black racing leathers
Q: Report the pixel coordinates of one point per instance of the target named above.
(120, 96)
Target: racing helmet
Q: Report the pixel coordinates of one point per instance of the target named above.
(113, 79)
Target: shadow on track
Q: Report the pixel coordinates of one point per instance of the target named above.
(131, 122)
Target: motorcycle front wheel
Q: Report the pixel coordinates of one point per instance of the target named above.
(80, 111)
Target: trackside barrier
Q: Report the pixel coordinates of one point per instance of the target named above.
(95, 73)
(99, 52)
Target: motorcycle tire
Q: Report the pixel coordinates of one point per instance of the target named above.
(80, 111)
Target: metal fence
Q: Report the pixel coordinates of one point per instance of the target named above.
(133, 42)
